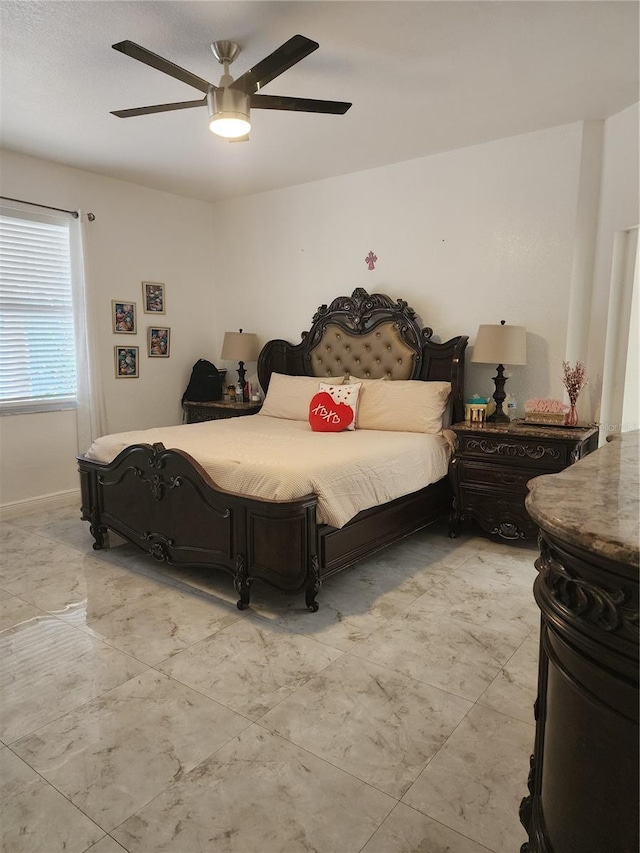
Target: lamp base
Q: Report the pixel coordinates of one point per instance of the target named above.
(241, 379)
(499, 396)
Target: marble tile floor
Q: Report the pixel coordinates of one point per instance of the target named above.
(141, 711)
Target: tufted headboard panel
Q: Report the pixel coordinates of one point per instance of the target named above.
(368, 336)
(380, 353)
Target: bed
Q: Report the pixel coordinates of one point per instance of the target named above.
(200, 503)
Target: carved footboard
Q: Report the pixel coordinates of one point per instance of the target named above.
(166, 504)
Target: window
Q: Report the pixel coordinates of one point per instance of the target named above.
(37, 346)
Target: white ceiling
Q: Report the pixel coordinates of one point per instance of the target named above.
(423, 77)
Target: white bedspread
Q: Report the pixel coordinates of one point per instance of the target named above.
(273, 458)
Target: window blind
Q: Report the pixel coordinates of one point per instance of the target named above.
(37, 346)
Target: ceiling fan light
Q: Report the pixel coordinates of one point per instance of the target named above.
(229, 125)
(228, 113)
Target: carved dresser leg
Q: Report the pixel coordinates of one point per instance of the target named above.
(454, 520)
(526, 805)
(313, 587)
(241, 583)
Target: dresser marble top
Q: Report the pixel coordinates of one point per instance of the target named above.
(594, 504)
(520, 427)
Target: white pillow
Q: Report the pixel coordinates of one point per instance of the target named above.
(351, 380)
(365, 384)
(347, 394)
(403, 405)
(288, 396)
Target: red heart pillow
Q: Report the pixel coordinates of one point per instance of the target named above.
(327, 416)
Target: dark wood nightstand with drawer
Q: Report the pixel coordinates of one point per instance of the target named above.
(196, 413)
(493, 463)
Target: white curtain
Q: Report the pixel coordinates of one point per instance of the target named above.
(91, 411)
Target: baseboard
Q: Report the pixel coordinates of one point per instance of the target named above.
(43, 504)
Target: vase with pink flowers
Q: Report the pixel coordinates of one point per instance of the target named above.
(574, 380)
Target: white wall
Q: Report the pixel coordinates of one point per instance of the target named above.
(138, 234)
(618, 212)
(467, 237)
(37, 456)
(631, 397)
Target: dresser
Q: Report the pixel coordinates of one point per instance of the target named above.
(198, 412)
(492, 464)
(583, 780)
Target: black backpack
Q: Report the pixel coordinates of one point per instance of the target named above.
(205, 384)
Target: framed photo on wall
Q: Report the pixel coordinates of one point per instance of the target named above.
(158, 342)
(126, 359)
(153, 297)
(123, 315)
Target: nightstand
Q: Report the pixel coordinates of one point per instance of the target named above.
(492, 464)
(196, 413)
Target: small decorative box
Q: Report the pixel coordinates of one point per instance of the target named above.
(545, 418)
(475, 413)
(545, 412)
(478, 409)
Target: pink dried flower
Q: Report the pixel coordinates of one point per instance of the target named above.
(574, 380)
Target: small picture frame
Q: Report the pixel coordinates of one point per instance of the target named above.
(153, 296)
(123, 316)
(158, 341)
(126, 359)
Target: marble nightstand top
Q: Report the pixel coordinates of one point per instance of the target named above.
(520, 427)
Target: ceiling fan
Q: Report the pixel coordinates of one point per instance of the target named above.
(229, 103)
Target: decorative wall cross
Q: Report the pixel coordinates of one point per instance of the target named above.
(370, 260)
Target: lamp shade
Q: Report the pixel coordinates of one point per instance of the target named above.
(240, 346)
(500, 345)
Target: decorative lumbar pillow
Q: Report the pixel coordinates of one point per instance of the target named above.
(345, 395)
(325, 415)
(404, 405)
(288, 396)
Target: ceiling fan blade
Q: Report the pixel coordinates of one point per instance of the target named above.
(159, 108)
(244, 138)
(143, 55)
(276, 63)
(304, 105)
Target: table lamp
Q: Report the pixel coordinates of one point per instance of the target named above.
(500, 345)
(241, 347)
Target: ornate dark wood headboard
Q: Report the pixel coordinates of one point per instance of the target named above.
(369, 336)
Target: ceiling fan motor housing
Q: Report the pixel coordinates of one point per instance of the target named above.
(228, 112)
